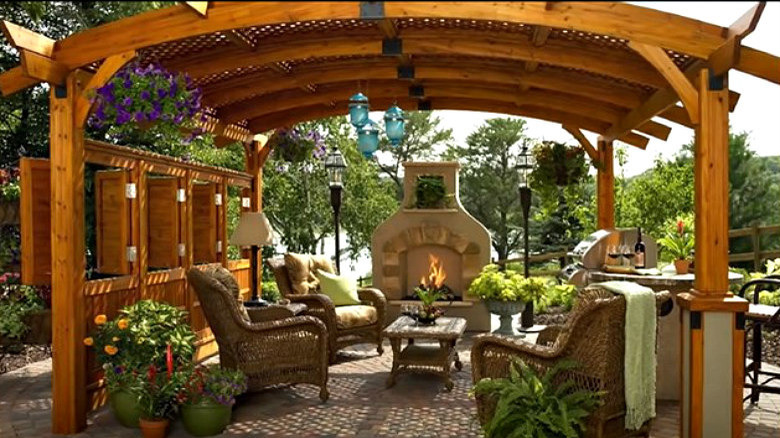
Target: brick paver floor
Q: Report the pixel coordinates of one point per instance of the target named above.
(359, 406)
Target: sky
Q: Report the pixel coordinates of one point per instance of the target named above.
(758, 110)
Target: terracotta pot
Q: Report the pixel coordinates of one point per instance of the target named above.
(157, 428)
(681, 266)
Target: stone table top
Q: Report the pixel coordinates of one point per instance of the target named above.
(445, 328)
(663, 280)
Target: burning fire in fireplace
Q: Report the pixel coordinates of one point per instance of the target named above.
(436, 274)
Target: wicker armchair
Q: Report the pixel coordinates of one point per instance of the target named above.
(339, 335)
(283, 351)
(593, 337)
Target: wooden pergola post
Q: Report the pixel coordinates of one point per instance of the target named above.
(69, 392)
(605, 182)
(712, 319)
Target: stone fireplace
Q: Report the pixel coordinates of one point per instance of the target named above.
(404, 247)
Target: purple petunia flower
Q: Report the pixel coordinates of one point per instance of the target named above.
(128, 83)
(139, 116)
(145, 95)
(161, 93)
(154, 115)
(174, 88)
(127, 101)
(122, 116)
(178, 118)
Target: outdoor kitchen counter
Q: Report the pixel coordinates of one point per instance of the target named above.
(668, 371)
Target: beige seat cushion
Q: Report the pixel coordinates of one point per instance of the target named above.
(299, 269)
(355, 316)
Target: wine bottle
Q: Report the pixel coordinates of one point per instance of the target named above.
(639, 250)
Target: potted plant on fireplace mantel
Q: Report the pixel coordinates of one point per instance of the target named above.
(506, 293)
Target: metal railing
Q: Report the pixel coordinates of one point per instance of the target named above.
(561, 256)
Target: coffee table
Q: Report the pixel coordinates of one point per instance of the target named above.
(425, 358)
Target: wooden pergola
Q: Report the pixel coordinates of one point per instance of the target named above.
(617, 70)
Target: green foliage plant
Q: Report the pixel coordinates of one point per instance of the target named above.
(530, 406)
(157, 390)
(16, 302)
(140, 335)
(430, 192)
(212, 384)
(9, 185)
(679, 242)
(562, 295)
(557, 165)
(270, 291)
(494, 284)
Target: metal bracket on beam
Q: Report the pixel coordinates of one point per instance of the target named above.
(716, 82)
(372, 10)
(60, 91)
(392, 47)
(740, 321)
(417, 91)
(424, 105)
(695, 320)
(405, 72)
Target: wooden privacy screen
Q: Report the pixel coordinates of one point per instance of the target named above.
(204, 222)
(164, 222)
(112, 221)
(35, 206)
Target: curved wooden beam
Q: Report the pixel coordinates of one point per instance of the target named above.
(285, 118)
(615, 63)
(290, 100)
(505, 73)
(177, 22)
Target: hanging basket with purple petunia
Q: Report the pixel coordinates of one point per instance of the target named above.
(295, 144)
(146, 96)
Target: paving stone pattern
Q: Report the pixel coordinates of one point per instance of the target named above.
(359, 406)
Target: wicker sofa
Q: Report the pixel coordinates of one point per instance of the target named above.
(593, 337)
(344, 328)
(272, 352)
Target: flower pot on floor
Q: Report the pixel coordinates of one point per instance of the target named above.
(505, 310)
(206, 418)
(155, 428)
(681, 266)
(124, 405)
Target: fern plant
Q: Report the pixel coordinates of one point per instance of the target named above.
(530, 406)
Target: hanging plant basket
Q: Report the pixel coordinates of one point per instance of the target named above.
(296, 145)
(558, 164)
(9, 212)
(39, 330)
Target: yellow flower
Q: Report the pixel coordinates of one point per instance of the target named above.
(110, 350)
(89, 342)
(115, 339)
(122, 324)
(100, 319)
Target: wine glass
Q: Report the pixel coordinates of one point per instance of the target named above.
(613, 253)
(628, 254)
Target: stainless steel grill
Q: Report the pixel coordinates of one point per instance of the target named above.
(591, 253)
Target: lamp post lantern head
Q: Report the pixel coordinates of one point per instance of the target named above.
(394, 124)
(525, 164)
(358, 110)
(335, 164)
(368, 138)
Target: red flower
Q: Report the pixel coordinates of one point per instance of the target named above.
(152, 373)
(169, 360)
(680, 227)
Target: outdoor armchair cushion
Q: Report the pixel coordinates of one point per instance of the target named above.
(299, 270)
(355, 316)
(341, 289)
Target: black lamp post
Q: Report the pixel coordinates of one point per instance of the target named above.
(525, 165)
(336, 164)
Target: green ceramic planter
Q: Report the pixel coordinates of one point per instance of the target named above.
(205, 419)
(124, 405)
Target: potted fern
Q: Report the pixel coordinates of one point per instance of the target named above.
(530, 406)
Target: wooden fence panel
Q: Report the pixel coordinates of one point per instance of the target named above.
(35, 215)
(112, 221)
(204, 223)
(164, 225)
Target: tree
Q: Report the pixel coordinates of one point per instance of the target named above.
(297, 198)
(423, 137)
(489, 179)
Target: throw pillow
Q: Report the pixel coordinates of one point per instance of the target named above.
(342, 290)
(298, 267)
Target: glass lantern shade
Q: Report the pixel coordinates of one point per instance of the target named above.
(368, 138)
(394, 125)
(525, 164)
(335, 164)
(358, 110)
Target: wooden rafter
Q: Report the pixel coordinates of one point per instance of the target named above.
(261, 83)
(657, 57)
(239, 40)
(43, 68)
(583, 141)
(618, 64)
(15, 80)
(25, 39)
(538, 39)
(728, 54)
(290, 100)
(287, 117)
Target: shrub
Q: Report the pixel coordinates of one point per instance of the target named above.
(16, 302)
(270, 291)
(529, 406)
